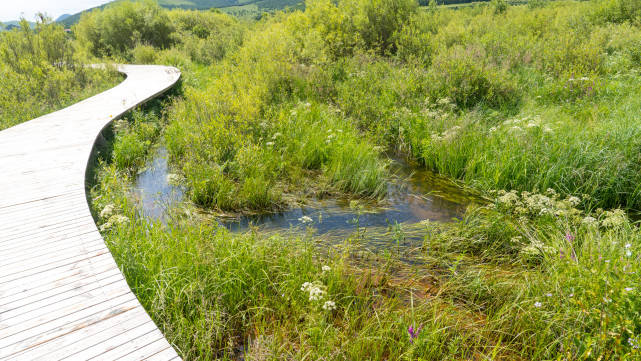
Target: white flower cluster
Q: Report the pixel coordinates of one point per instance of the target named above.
(447, 135)
(330, 136)
(329, 306)
(107, 211)
(174, 179)
(113, 221)
(614, 218)
(535, 249)
(518, 125)
(589, 221)
(305, 219)
(536, 204)
(316, 290)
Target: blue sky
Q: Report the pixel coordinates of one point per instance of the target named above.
(14, 9)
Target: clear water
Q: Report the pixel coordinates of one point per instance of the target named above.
(153, 192)
(413, 195)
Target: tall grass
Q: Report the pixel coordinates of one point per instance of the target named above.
(537, 100)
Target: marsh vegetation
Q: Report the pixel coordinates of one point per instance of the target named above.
(40, 72)
(532, 109)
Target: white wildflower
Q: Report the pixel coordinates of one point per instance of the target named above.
(614, 219)
(269, 144)
(574, 201)
(305, 287)
(316, 294)
(508, 199)
(315, 290)
(305, 219)
(588, 221)
(538, 304)
(629, 289)
(326, 268)
(329, 305)
(119, 219)
(548, 295)
(105, 226)
(107, 211)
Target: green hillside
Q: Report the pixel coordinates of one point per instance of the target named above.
(239, 7)
(235, 6)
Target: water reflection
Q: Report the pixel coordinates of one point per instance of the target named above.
(413, 195)
(153, 190)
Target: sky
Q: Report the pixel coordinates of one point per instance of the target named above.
(14, 9)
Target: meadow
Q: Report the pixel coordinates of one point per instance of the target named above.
(532, 107)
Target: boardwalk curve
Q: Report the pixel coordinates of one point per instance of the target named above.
(62, 295)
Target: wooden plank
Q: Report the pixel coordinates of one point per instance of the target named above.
(165, 355)
(120, 343)
(69, 345)
(78, 285)
(61, 293)
(38, 282)
(60, 327)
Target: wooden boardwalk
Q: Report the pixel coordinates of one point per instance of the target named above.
(61, 294)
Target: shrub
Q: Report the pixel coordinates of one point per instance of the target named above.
(40, 71)
(144, 54)
(117, 29)
(618, 11)
(381, 20)
(462, 75)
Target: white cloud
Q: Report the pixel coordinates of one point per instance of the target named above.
(13, 10)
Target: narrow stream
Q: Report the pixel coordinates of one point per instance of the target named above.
(413, 195)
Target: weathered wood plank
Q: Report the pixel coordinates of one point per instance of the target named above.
(61, 293)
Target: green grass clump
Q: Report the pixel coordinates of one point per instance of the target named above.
(254, 166)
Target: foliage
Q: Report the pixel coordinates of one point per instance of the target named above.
(537, 100)
(40, 72)
(118, 28)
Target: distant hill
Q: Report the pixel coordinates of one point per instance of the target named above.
(62, 17)
(256, 5)
(8, 25)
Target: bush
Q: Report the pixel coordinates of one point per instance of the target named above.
(40, 71)
(144, 54)
(463, 76)
(382, 20)
(117, 29)
(618, 11)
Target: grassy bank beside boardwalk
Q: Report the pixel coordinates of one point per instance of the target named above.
(534, 106)
(526, 277)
